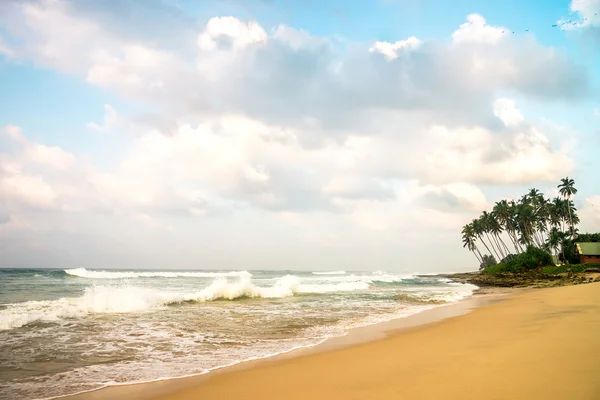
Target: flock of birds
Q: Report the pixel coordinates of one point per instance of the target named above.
(561, 24)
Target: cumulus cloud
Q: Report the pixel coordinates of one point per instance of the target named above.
(4, 49)
(229, 33)
(506, 110)
(49, 156)
(589, 215)
(390, 50)
(290, 77)
(109, 121)
(475, 30)
(454, 198)
(287, 127)
(587, 13)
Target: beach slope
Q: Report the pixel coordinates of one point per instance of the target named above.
(541, 344)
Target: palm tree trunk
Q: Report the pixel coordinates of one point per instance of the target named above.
(500, 245)
(477, 257)
(518, 248)
(486, 246)
(492, 244)
(503, 244)
(570, 218)
(514, 241)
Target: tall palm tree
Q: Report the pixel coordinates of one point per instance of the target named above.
(554, 240)
(486, 224)
(478, 230)
(526, 220)
(468, 237)
(496, 229)
(502, 213)
(559, 212)
(567, 189)
(514, 225)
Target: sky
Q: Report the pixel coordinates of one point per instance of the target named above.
(286, 134)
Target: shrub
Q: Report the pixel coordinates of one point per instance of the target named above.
(575, 268)
(488, 261)
(532, 258)
(507, 258)
(495, 269)
(570, 252)
(588, 237)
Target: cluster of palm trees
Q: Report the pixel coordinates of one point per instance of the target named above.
(533, 220)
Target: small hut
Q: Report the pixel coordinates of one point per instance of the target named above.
(589, 252)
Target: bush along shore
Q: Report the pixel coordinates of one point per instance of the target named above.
(535, 240)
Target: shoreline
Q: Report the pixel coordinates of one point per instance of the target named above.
(531, 344)
(353, 337)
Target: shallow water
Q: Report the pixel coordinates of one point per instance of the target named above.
(66, 331)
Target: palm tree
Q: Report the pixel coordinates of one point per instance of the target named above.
(468, 237)
(559, 210)
(502, 213)
(496, 229)
(567, 189)
(478, 230)
(486, 224)
(554, 240)
(526, 220)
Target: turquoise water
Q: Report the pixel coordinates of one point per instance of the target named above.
(67, 331)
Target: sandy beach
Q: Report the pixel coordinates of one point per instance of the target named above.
(538, 344)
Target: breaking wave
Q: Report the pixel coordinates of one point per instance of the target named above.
(330, 273)
(127, 299)
(84, 273)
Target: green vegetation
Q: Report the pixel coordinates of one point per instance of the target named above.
(524, 234)
(488, 261)
(530, 259)
(574, 268)
(589, 237)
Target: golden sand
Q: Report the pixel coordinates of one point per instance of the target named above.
(540, 344)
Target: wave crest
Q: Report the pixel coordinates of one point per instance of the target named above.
(127, 299)
(330, 273)
(84, 273)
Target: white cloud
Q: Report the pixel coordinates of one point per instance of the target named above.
(109, 121)
(507, 111)
(36, 153)
(4, 49)
(475, 30)
(390, 50)
(587, 13)
(31, 190)
(292, 78)
(289, 130)
(589, 215)
(230, 33)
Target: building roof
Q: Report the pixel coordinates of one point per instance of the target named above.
(588, 248)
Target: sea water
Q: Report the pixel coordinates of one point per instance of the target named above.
(73, 330)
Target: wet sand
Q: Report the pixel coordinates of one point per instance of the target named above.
(536, 344)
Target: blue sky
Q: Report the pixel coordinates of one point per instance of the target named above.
(318, 134)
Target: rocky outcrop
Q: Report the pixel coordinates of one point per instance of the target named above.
(523, 280)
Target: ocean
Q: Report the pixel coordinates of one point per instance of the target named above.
(73, 330)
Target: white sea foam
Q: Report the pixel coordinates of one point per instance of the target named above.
(330, 273)
(141, 320)
(368, 278)
(127, 299)
(84, 273)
